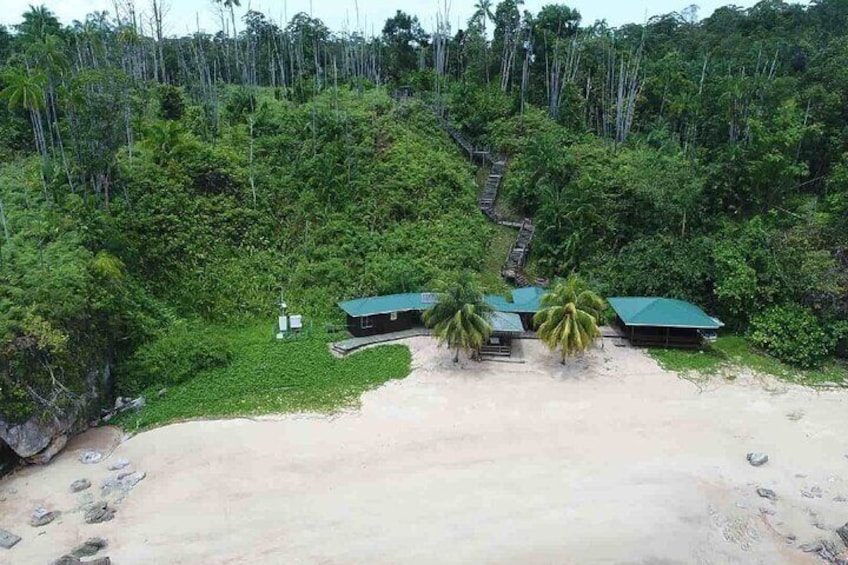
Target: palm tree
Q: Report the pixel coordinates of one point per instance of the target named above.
(570, 316)
(483, 13)
(25, 90)
(460, 316)
(231, 5)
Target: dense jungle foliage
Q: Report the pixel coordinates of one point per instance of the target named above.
(153, 188)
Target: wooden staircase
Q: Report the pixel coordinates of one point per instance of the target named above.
(518, 255)
(513, 269)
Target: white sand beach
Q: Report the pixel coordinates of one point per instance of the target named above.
(608, 459)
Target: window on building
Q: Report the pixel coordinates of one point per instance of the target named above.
(393, 316)
(366, 322)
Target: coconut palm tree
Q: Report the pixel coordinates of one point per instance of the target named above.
(460, 317)
(570, 317)
(26, 90)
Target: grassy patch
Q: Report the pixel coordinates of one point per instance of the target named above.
(734, 351)
(267, 376)
(708, 360)
(499, 247)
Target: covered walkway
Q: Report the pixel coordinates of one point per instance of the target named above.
(346, 346)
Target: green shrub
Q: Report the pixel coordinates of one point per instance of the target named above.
(176, 356)
(839, 331)
(171, 104)
(793, 335)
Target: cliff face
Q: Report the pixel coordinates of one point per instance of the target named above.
(46, 430)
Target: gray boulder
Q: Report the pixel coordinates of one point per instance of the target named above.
(843, 533)
(80, 485)
(89, 548)
(41, 517)
(90, 456)
(812, 547)
(757, 459)
(100, 512)
(33, 436)
(122, 484)
(119, 464)
(8, 539)
(767, 493)
(45, 456)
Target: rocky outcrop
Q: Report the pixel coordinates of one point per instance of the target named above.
(57, 445)
(58, 417)
(34, 435)
(89, 547)
(100, 512)
(80, 485)
(843, 533)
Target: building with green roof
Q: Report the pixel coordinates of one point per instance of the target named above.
(398, 312)
(662, 321)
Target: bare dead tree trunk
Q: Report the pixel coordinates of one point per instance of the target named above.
(3, 221)
(159, 11)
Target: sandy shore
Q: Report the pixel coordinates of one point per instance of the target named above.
(606, 460)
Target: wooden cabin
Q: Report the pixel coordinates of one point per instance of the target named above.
(397, 312)
(386, 314)
(662, 322)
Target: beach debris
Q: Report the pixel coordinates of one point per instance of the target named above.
(812, 547)
(796, 415)
(123, 405)
(757, 459)
(8, 539)
(119, 464)
(767, 493)
(41, 517)
(769, 511)
(80, 485)
(843, 533)
(89, 547)
(122, 484)
(90, 456)
(840, 498)
(71, 560)
(813, 492)
(100, 512)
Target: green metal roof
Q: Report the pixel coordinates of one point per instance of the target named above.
(389, 303)
(662, 312)
(524, 300)
(506, 322)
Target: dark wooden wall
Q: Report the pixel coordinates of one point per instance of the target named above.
(383, 324)
(661, 336)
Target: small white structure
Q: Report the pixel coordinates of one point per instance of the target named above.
(296, 322)
(287, 324)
